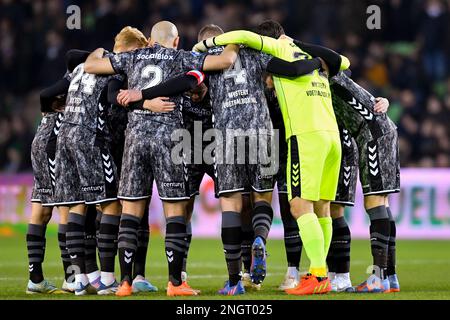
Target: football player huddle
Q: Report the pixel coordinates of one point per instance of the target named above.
(249, 109)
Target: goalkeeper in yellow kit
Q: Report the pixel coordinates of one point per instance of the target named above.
(314, 148)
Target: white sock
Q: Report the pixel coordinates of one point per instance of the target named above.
(93, 276)
(139, 278)
(293, 272)
(107, 278)
(81, 277)
(343, 275)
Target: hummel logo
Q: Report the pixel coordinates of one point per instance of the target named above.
(52, 162)
(128, 256)
(169, 256)
(108, 171)
(105, 156)
(109, 179)
(55, 131)
(374, 172)
(372, 150)
(30, 267)
(373, 164)
(73, 256)
(100, 107)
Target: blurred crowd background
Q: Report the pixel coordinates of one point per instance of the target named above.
(407, 61)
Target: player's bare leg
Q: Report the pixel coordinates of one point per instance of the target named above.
(338, 258)
(380, 229)
(40, 216)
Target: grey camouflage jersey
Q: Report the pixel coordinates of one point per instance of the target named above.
(353, 107)
(86, 103)
(237, 94)
(150, 66)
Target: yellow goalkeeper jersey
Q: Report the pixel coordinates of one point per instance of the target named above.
(305, 101)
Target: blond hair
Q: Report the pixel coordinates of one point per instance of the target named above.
(130, 37)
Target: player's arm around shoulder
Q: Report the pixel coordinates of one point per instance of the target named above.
(250, 39)
(223, 61)
(97, 64)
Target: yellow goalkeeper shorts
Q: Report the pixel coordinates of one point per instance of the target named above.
(314, 160)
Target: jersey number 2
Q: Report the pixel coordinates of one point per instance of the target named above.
(154, 73)
(87, 80)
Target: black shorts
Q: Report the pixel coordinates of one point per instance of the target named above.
(147, 157)
(237, 173)
(43, 151)
(280, 177)
(85, 170)
(196, 172)
(379, 164)
(348, 174)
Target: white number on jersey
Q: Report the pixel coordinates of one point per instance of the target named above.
(236, 72)
(87, 80)
(154, 73)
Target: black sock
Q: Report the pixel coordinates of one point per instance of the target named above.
(292, 242)
(262, 219)
(62, 229)
(127, 244)
(338, 258)
(189, 239)
(232, 240)
(391, 250)
(90, 240)
(98, 220)
(176, 245)
(75, 241)
(141, 252)
(107, 241)
(248, 235)
(379, 238)
(36, 251)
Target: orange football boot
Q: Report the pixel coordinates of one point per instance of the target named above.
(181, 290)
(311, 285)
(124, 289)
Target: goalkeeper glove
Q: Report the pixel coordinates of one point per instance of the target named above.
(204, 45)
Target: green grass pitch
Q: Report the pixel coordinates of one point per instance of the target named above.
(422, 268)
